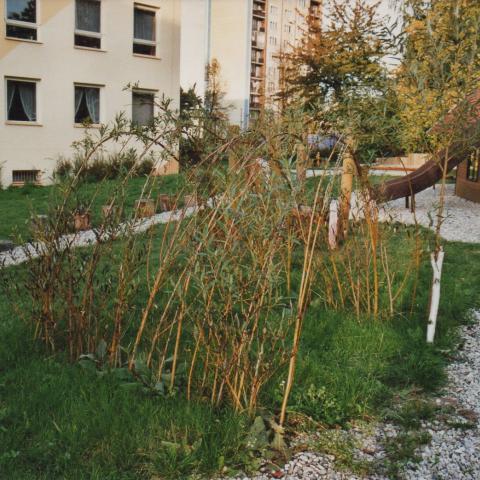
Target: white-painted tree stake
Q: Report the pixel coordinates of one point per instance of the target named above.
(333, 224)
(437, 275)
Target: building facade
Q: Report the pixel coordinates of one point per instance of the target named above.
(65, 63)
(248, 38)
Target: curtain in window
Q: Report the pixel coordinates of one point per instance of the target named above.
(11, 87)
(27, 97)
(92, 100)
(92, 96)
(88, 15)
(79, 92)
(144, 25)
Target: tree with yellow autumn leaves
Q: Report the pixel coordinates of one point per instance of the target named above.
(440, 64)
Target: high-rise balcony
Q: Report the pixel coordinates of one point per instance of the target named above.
(258, 71)
(259, 10)
(258, 39)
(258, 57)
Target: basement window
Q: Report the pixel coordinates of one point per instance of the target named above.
(144, 31)
(23, 177)
(21, 19)
(87, 23)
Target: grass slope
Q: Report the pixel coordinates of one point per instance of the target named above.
(17, 204)
(64, 421)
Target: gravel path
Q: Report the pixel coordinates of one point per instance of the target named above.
(454, 453)
(461, 217)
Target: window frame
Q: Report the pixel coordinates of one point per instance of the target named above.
(36, 82)
(20, 23)
(100, 104)
(143, 91)
(25, 173)
(140, 41)
(88, 33)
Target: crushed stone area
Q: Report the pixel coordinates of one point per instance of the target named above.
(453, 449)
(461, 221)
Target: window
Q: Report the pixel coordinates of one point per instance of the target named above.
(473, 167)
(21, 101)
(21, 177)
(21, 19)
(142, 108)
(87, 104)
(87, 23)
(144, 31)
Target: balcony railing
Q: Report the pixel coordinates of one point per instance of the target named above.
(257, 57)
(258, 39)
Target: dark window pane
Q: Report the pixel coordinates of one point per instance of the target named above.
(21, 101)
(21, 32)
(87, 105)
(144, 49)
(22, 10)
(142, 108)
(88, 15)
(144, 24)
(84, 41)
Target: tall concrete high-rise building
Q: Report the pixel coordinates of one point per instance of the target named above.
(248, 38)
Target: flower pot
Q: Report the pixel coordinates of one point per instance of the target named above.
(165, 202)
(110, 211)
(82, 221)
(144, 208)
(190, 201)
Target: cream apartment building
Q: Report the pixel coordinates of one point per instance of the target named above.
(67, 62)
(248, 38)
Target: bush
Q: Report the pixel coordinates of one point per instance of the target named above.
(105, 168)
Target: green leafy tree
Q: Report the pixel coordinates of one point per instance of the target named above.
(339, 74)
(205, 123)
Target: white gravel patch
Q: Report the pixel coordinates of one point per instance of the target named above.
(454, 453)
(461, 221)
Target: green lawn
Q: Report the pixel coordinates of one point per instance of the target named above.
(59, 420)
(17, 204)
(71, 421)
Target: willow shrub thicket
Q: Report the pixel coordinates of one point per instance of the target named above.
(211, 307)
